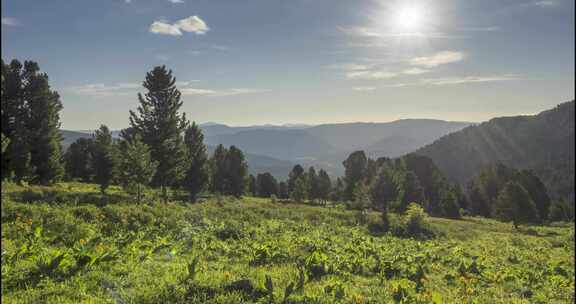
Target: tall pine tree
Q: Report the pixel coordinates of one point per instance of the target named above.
(197, 173)
(105, 158)
(161, 126)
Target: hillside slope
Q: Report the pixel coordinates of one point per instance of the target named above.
(542, 142)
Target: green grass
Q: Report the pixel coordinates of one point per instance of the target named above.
(67, 244)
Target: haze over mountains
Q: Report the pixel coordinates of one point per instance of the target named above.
(276, 149)
(542, 142)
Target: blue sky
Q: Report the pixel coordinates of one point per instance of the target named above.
(300, 61)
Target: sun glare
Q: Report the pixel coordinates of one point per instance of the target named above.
(409, 19)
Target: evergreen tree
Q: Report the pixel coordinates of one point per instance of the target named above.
(197, 174)
(355, 168)
(312, 178)
(449, 205)
(337, 193)
(479, 205)
(43, 125)
(324, 185)
(136, 167)
(15, 115)
(104, 159)
(383, 189)
(514, 204)
(236, 172)
(296, 173)
(283, 190)
(412, 191)
(537, 191)
(361, 197)
(78, 160)
(219, 183)
(252, 185)
(161, 126)
(300, 192)
(266, 185)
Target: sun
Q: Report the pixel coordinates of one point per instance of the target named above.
(409, 19)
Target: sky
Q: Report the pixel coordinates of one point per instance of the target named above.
(300, 61)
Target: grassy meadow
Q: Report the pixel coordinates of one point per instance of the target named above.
(68, 244)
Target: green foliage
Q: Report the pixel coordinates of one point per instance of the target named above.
(355, 169)
(253, 251)
(30, 120)
(542, 142)
(136, 167)
(300, 192)
(515, 204)
(160, 125)
(266, 185)
(78, 160)
(105, 159)
(197, 173)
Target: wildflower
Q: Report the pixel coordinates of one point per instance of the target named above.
(227, 276)
(82, 241)
(359, 299)
(29, 222)
(470, 291)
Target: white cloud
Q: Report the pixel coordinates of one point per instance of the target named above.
(437, 59)
(103, 90)
(130, 89)
(457, 80)
(545, 3)
(364, 89)
(220, 93)
(192, 24)
(468, 79)
(8, 21)
(415, 71)
(176, 1)
(162, 28)
(370, 75)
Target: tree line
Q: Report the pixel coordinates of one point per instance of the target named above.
(161, 148)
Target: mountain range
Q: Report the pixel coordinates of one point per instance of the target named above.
(542, 142)
(276, 149)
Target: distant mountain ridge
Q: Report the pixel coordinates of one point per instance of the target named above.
(542, 142)
(273, 148)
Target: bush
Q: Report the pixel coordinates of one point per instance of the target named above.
(413, 223)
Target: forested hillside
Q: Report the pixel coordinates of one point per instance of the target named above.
(543, 143)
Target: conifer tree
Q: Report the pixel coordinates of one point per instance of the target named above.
(266, 185)
(355, 169)
(300, 192)
(324, 185)
(105, 158)
(43, 125)
(237, 171)
(160, 125)
(78, 160)
(412, 191)
(252, 185)
(296, 173)
(197, 174)
(16, 159)
(219, 183)
(514, 204)
(137, 167)
(283, 190)
(312, 178)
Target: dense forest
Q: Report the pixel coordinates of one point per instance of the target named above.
(543, 143)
